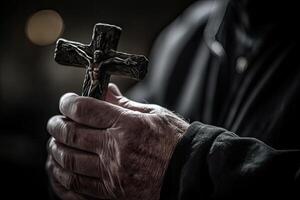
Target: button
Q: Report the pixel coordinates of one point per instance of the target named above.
(217, 48)
(241, 65)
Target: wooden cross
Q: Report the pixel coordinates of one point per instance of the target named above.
(100, 59)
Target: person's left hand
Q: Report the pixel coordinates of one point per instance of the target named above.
(113, 149)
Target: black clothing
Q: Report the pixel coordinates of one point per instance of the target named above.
(230, 64)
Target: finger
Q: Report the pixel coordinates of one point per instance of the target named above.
(59, 189)
(78, 183)
(63, 193)
(79, 162)
(115, 97)
(75, 135)
(89, 111)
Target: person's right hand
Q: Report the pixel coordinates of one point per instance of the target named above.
(118, 149)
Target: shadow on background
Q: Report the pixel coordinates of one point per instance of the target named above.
(31, 82)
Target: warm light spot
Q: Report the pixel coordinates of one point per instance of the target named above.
(44, 27)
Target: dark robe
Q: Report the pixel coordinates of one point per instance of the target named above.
(232, 69)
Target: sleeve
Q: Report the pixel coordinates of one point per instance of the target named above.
(212, 163)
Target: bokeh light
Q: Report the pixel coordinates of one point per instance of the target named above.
(44, 27)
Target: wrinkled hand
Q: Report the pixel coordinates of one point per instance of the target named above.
(113, 149)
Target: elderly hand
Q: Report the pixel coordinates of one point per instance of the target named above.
(113, 149)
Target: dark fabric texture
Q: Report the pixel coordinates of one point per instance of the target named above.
(213, 163)
(235, 65)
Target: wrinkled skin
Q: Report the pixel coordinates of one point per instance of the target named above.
(113, 149)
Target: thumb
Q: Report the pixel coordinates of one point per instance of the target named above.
(114, 96)
(113, 88)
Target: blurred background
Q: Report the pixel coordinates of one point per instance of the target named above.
(31, 83)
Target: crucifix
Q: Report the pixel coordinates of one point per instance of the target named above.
(100, 59)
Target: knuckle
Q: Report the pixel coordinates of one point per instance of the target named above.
(65, 100)
(49, 124)
(156, 109)
(124, 102)
(101, 189)
(52, 122)
(77, 108)
(68, 161)
(50, 144)
(69, 131)
(74, 183)
(62, 102)
(128, 119)
(48, 165)
(55, 125)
